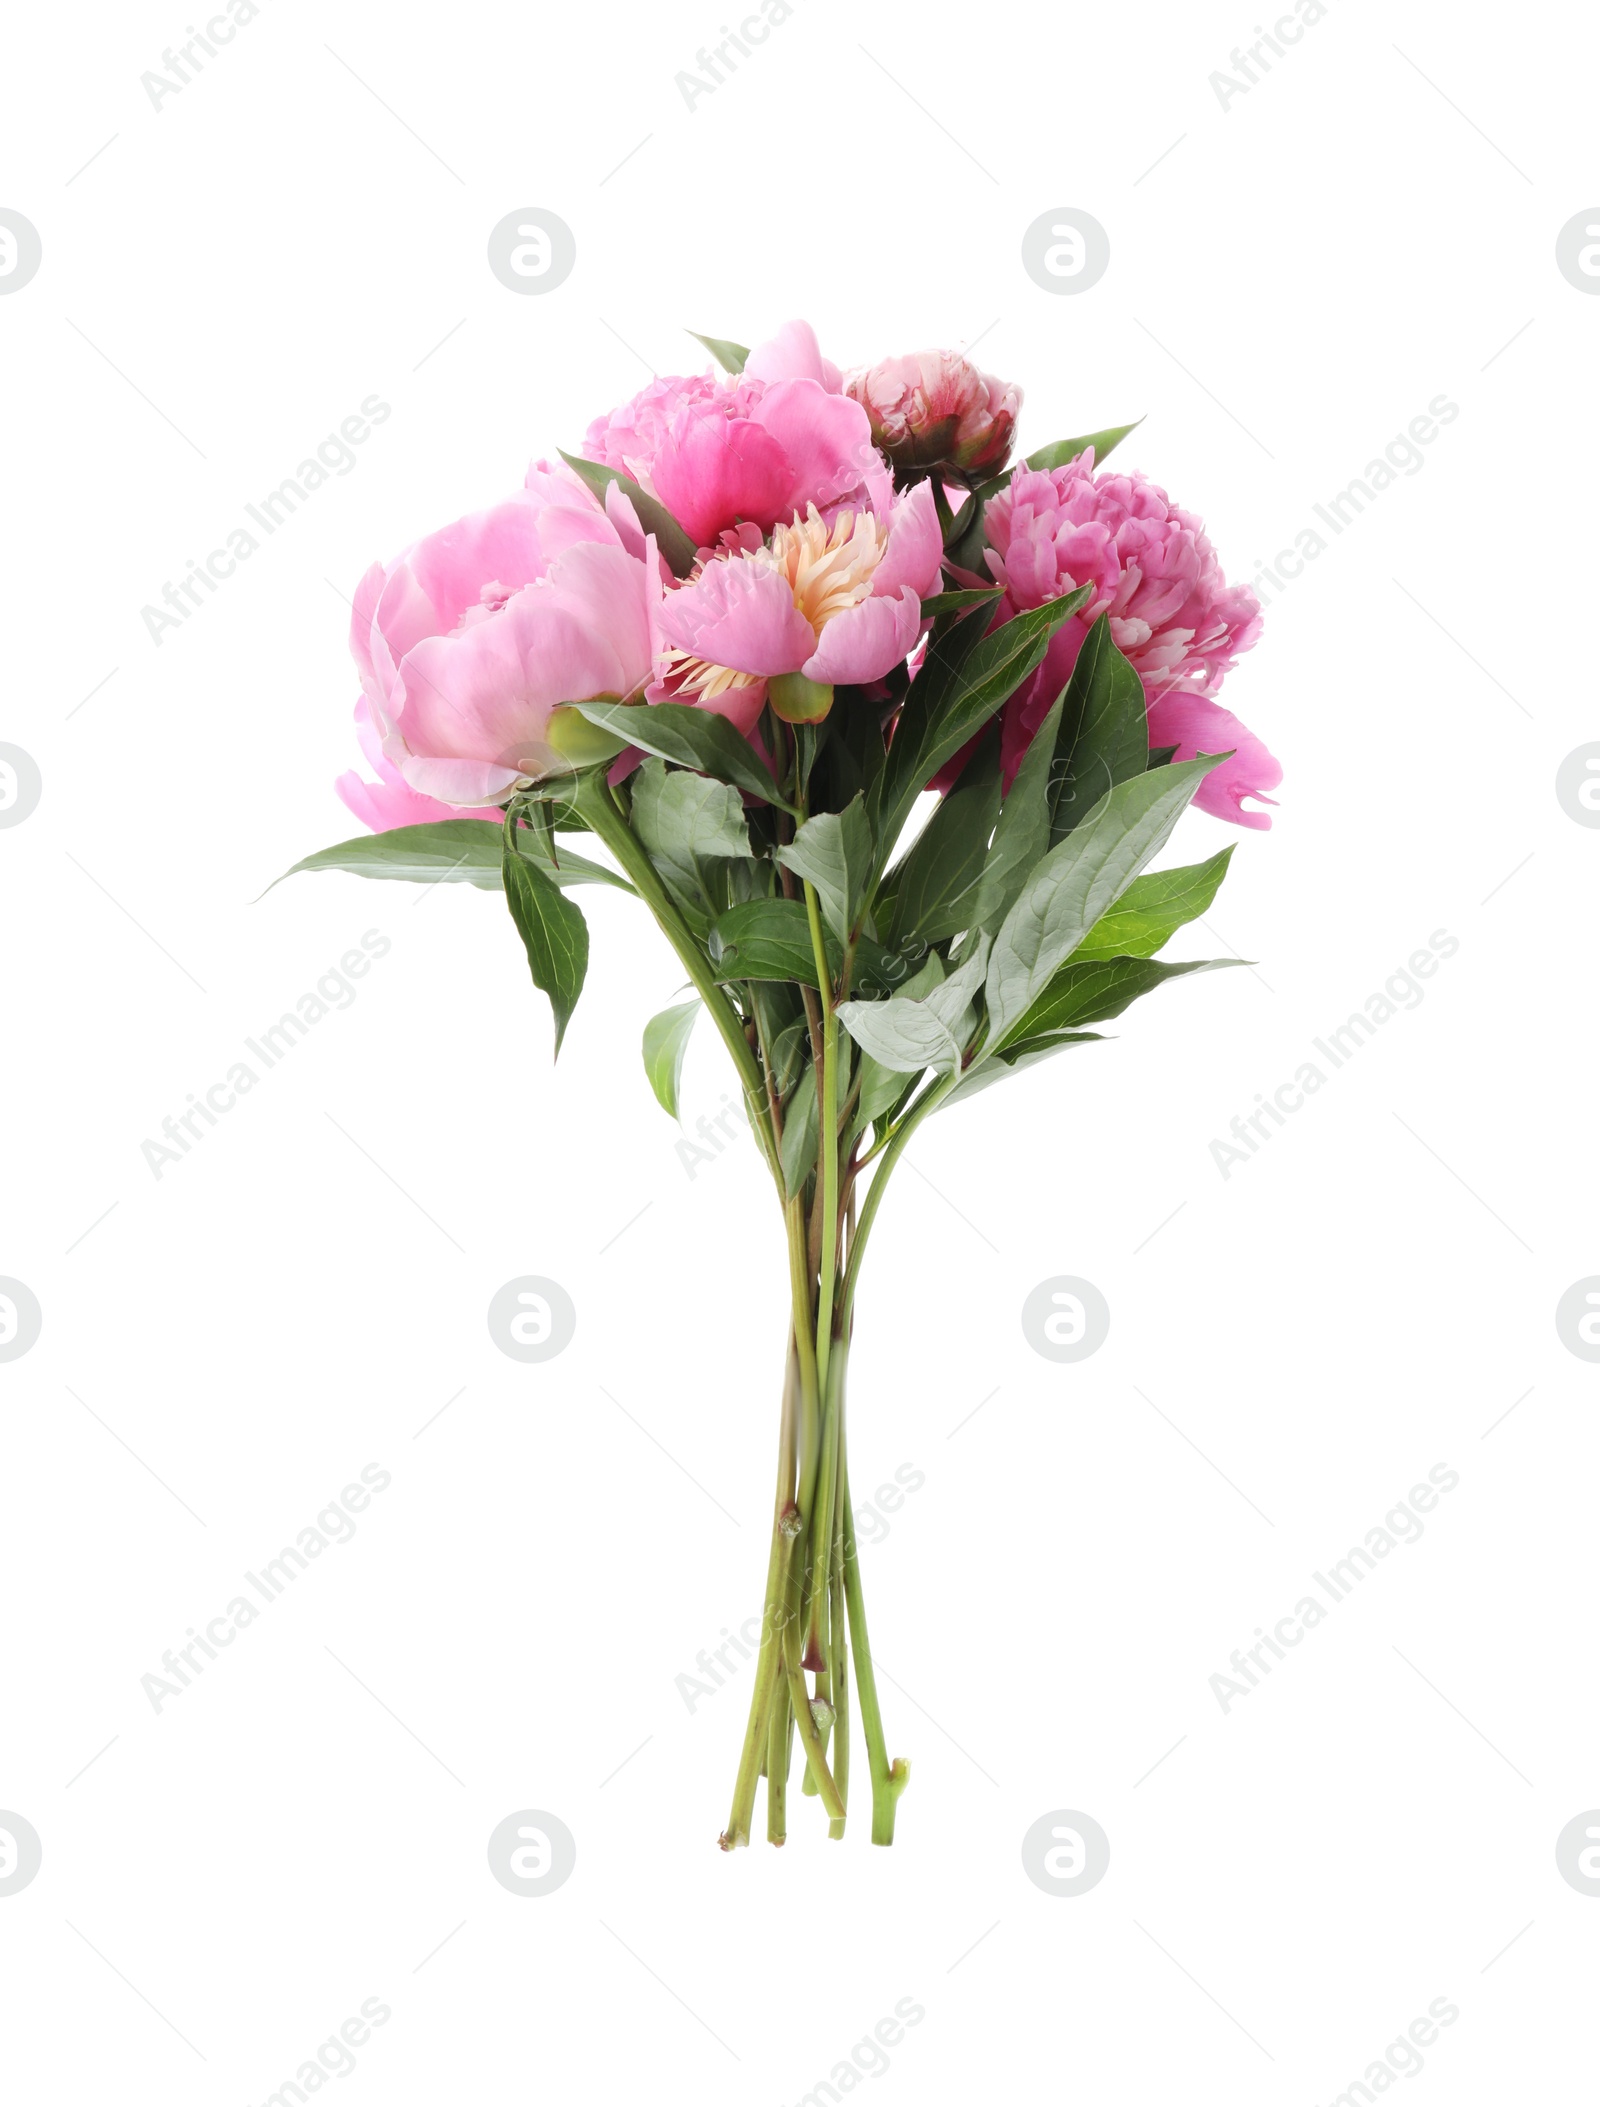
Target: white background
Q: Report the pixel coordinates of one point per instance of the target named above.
(1293, 1347)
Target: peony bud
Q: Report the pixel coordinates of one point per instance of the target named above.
(798, 700)
(935, 410)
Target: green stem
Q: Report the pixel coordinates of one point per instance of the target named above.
(769, 1657)
(810, 1445)
(825, 1512)
(827, 1141)
(779, 1738)
(888, 1779)
(838, 1649)
(799, 1696)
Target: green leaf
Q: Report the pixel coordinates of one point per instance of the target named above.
(771, 940)
(788, 1046)
(881, 970)
(666, 1040)
(728, 355)
(1061, 451)
(781, 1024)
(959, 602)
(900, 1035)
(797, 1153)
(1159, 756)
(1090, 992)
(833, 852)
(449, 851)
(1081, 877)
(764, 940)
(697, 739)
(964, 679)
(1103, 738)
(897, 784)
(1153, 906)
(1023, 834)
(882, 1088)
(807, 739)
(687, 821)
(910, 1033)
(935, 883)
(968, 538)
(684, 815)
(849, 755)
(554, 935)
(675, 545)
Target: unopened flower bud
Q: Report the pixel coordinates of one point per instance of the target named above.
(933, 409)
(798, 700)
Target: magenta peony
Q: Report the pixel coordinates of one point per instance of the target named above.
(1172, 614)
(756, 450)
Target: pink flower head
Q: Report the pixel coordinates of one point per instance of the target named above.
(933, 409)
(756, 449)
(1153, 572)
(473, 639)
(838, 602)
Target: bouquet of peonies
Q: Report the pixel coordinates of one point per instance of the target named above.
(733, 641)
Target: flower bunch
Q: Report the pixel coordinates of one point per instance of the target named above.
(733, 640)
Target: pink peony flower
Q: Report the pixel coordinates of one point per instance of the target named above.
(757, 449)
(1156, 576)
(933, 409)
(835, 603)
(471, 642)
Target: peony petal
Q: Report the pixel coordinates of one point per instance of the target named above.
(865, 641)
(459, 784)
(391, 802)
(620, 512)
(610, 592)
(713, 469)
(739, 613)
(793, 354)
(915, 547)
(363, 613)
(826, 441)
(1195, 725)
(451, 568)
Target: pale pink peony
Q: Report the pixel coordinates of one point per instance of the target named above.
(756, 449)
(1153, 571)
(837, 602)
(473, 639)
(934, 409)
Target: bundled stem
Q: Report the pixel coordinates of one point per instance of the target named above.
(814, 1616)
